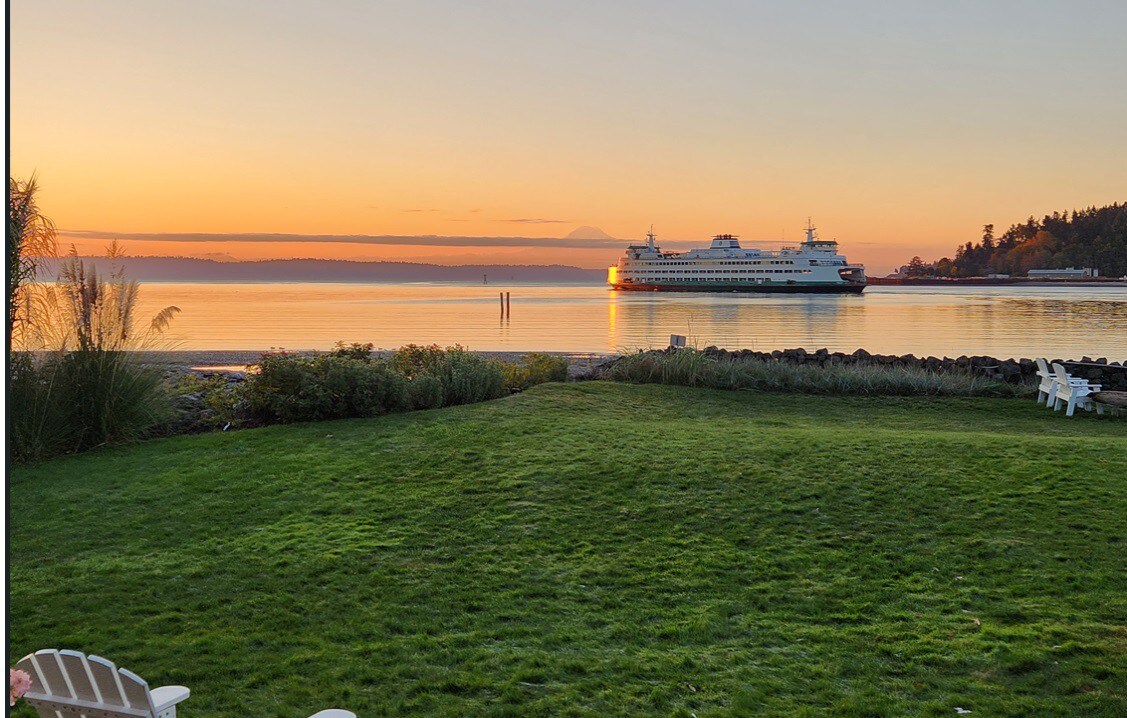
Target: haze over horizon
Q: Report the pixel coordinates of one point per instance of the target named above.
(901, 128)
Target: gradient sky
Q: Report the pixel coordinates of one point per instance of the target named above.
(900, 126)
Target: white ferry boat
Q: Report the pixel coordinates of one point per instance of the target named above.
(813, 266)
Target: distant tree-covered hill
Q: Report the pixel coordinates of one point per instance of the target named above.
(1094, 237)
(191, 269)
(185, 269)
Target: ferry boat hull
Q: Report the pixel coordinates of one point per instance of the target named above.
(805, 288)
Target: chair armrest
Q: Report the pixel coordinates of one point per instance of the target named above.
(333, 713)
(166, 696)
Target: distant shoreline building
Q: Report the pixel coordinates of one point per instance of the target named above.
(1070, 273)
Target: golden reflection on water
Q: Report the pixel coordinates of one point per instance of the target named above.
(612, 318)
(996, 321)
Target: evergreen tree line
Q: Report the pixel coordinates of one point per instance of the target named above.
(1094, 237)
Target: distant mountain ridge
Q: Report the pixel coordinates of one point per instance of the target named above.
(598, 240)
(587, 233)
(187, 269)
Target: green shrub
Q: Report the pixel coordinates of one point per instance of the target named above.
(412, 359)
(514, 373)
(543, 368)
(200, 404)
(348, 382)
(467, 378)
(289, 388)
(355, 350)
(690, 367)
(425, 391)
(532, 369)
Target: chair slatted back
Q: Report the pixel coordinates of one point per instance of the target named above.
(1043, 369)
(1060, 373)
(81, 682)
(65, 684)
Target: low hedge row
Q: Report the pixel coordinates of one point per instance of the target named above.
(352, 382)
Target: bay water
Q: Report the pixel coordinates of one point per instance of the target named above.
(1004, 322)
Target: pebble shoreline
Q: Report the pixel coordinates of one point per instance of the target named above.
(228, 358)
(233, 364)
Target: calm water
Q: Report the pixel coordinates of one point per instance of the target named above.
(996, 321)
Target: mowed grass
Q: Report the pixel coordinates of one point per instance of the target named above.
(599, 550)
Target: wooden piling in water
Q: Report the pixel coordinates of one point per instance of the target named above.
(508, 307)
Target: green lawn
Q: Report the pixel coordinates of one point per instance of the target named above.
(599, 550)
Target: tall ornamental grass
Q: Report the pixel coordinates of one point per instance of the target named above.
(691, 367)
(80, 382)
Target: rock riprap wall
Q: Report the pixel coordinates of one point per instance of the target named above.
(1111, 375)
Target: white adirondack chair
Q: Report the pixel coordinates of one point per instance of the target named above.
(68, 683)
(1072, 391)
(1048, 386)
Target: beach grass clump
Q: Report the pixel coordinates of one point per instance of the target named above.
(37, 424)
(692, 367)
(63, 402)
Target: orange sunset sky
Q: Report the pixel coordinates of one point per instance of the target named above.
(902, 127)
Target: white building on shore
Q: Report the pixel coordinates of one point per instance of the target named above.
(1070, 273)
